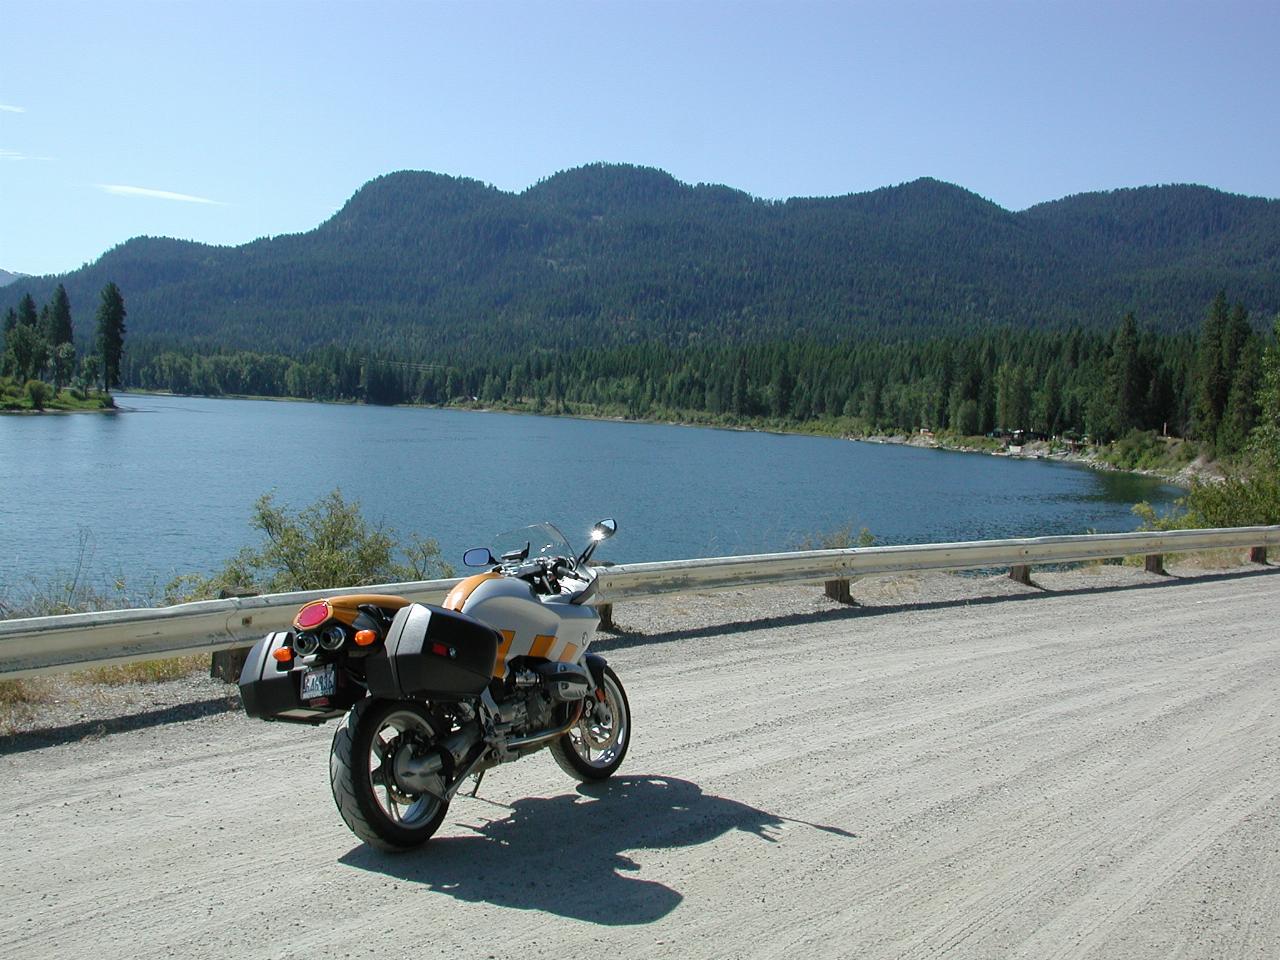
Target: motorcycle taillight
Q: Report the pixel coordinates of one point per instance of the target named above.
(313, 614)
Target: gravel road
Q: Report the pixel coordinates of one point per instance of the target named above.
(971, 771)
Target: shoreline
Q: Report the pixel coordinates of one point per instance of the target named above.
(41, 413)
(1198, 469)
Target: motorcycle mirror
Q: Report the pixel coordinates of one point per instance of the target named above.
(479, 557)
(604, 529)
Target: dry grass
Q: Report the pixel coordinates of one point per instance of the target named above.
(1228, 559)
(1225, 559)
(45, 689)
(31, 690)
(147, 671)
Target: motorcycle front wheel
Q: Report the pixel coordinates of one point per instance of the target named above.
(594, 748)
(369, 800)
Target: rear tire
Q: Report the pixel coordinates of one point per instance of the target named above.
(368, 799)
(597, 744)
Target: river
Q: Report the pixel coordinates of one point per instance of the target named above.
(167, 485)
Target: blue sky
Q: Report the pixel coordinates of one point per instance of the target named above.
(227, 121)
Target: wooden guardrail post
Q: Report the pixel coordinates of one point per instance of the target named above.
(1021, 573)
(225, 665)
(1257, 554)
(1155, 564)
(838, 590)
(606, 615)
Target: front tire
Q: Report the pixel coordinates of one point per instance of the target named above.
(597, 744)
(369, 801)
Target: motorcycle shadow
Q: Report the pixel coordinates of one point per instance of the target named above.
(564, 854)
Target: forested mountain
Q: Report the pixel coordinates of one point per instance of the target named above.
(434, 266)
(7, 278)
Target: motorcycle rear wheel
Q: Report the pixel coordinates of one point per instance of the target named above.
(368, 798)
(597, 744)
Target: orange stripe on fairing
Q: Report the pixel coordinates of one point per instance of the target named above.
(500, 663)
(462, 591)
(541, 645)
(568, 653)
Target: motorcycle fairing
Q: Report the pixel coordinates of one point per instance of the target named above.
(553, 631)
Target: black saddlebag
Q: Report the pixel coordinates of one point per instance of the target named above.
(270, 690)
(433, 654)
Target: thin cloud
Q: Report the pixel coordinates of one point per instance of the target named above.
(19, 155)
(120, 190)
(10, 108)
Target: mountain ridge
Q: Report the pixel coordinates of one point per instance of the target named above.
(617, 253)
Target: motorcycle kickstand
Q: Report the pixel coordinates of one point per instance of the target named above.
(476, 789)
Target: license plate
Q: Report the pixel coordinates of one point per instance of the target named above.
(318, 682)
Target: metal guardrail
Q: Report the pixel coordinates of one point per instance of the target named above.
(48, 644)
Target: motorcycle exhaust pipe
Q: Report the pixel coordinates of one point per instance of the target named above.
(424, 774)
(421, 773)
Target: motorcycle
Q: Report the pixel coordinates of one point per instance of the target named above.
(430, 696)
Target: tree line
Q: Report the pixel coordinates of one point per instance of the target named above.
(1078, 382)
(41, 347)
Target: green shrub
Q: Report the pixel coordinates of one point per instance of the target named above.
(325, 545)
(1147, 450)
(841, 538)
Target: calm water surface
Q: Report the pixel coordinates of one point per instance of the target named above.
(167, 486)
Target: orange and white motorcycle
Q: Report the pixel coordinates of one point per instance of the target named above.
(430, 696)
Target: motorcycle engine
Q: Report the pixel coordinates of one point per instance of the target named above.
(530, 707)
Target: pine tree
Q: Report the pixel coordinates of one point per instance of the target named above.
(110, 334)
(1241, 413)
(783, 386)
(741, 401)
(1266, 434)
(59, 329)
(1212, 381)
(1126, 388)
(27, 316)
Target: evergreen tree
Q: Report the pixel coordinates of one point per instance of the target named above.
(59, 329)
(741, 401)
(783, 386)
(1126, 389)
(1241, 412)
(110, 334)
(27, 316)
(1013, 397)
(1265, 441)
(1212, 380)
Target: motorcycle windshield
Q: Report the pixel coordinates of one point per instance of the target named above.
(543, 540)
